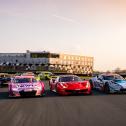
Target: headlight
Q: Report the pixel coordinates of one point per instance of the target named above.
(39, 87)
(64, 86)
(87, 85)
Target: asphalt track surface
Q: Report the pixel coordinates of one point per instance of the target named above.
(98, 109)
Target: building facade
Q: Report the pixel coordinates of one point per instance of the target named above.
(48, 61)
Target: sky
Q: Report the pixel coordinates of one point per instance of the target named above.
(84, 27)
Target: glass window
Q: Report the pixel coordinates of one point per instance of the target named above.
(69, 79)
(24, 80)
(112, 77)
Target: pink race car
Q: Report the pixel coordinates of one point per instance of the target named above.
(21, 86)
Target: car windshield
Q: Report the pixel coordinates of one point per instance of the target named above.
(113, 77)
(120, 81)
(24, 80)
(69, 79)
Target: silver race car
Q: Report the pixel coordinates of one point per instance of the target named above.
(109, 83)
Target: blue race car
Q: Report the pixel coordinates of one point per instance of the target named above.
(109, 83)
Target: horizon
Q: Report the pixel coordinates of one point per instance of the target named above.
(84, 27)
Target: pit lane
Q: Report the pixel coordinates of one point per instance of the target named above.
(98, 109)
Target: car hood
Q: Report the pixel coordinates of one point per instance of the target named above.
(75, 85)
(121, 83)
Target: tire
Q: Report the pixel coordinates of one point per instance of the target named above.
(10, 94)
(56, 89)
(50, 87)
(91, 83)
(90, 93)
(43, 94)
(106, 89)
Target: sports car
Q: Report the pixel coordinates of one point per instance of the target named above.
(4, 79)
(70, 84)
(25, 86)
(45, 75)
(109, 83)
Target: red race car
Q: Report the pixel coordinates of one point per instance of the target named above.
(70, 84)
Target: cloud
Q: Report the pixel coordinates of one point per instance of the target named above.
(65, 19)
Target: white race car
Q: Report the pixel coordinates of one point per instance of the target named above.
(109, 83)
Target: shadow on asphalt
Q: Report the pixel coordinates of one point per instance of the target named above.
(3, 95)
(48, 93)
(54, 94)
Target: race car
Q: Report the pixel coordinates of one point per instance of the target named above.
(70, 84)
(45, 75)
(21, 86)
(4, 79)
(109, 83)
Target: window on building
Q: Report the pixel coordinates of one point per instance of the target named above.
(64, 57)
(54, 55)
(44, 55)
